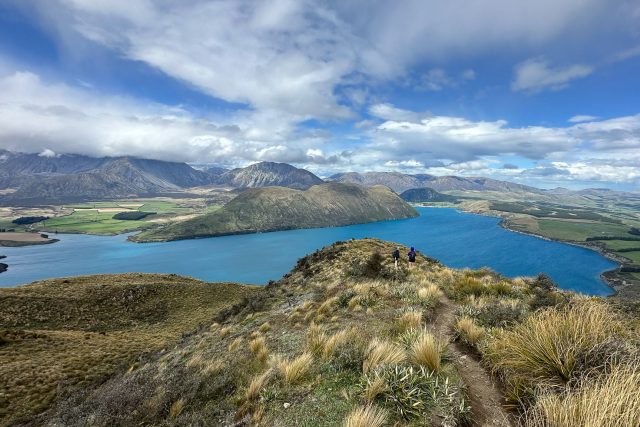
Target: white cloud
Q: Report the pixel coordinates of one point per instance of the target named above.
(48, 153)
(45, 118)
(535, 75)
(582, 118)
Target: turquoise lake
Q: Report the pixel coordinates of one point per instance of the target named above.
(456, 238)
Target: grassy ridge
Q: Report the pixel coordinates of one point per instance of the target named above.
(345, 339)
(75, 331)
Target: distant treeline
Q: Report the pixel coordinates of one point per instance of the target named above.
(26, 220)
(635, 230)
(624, 238)
(630, 269)
(628, 250)
(132, 216)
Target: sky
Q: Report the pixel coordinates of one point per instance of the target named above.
(545, 93)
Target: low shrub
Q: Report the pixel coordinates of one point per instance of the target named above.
(417, 393)
(132, 215)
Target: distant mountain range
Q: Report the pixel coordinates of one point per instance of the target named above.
(422, 195)
(278, 208)
(67, 178)
(400, 182)
(33, 179)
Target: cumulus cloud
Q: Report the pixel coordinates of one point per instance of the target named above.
(582, 118)
(46, 118)
(535, 75)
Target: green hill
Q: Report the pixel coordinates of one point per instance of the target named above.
(279, 208)
(421, 195)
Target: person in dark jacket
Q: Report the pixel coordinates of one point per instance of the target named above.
(396, 256)
(412, 257)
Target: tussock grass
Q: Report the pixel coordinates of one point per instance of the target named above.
(430, 292)
(235, 344)
(550, 345)
(327, 307)
(177, 407)
(468, 332)
(374, 388)
(316, 339)
(427, 351)
(293, 371)
(335, 340)
(225, 331)
(255, 386)
(411, 319)
(265, 327)
(211, 367)
(382, 352)
(613, 400)
(366, 416)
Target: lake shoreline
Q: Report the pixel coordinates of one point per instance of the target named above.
(613, 277)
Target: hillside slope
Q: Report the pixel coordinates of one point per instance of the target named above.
(279, 208)
(346, 339)
(266, 174)
(72, 332)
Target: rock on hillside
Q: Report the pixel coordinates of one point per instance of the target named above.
(265, 174)
(280, 208)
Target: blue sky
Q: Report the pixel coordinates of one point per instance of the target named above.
(543, 93)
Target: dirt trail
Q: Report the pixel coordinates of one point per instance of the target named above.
(486, 399)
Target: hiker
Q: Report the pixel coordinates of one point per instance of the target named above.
(396, 256)
(412, 257)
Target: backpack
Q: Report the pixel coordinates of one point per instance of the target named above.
(412, 256)
(396, 254)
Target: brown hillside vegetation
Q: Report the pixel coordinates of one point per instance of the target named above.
(59, 335)
(346, 340)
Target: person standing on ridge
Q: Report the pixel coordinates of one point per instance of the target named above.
(412, 257)
(396, 256)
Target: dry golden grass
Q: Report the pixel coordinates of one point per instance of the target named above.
(255, 386)
(235, 344)
(374, 388)
(410, 320)
(327, 307)
(293, 371)
(176, 408)
(265, 327)
(468, 331)
(546, 347)
(225, 331)
(366, 416)
(257, 344)
(211, 367)
(382, 352)
(427, 351)
(316, 339)
(335, 340)
(430, 292)
(613, 401)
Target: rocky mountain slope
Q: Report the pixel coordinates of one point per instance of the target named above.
(280, 208)
(399, 182)
(265, 174)
(61, 179)
(344, 339)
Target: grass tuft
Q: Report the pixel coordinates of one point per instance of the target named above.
(382, 353)
(366, 416)
(293, 371)
(468, 332)
(427, 351)
(411, 319)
